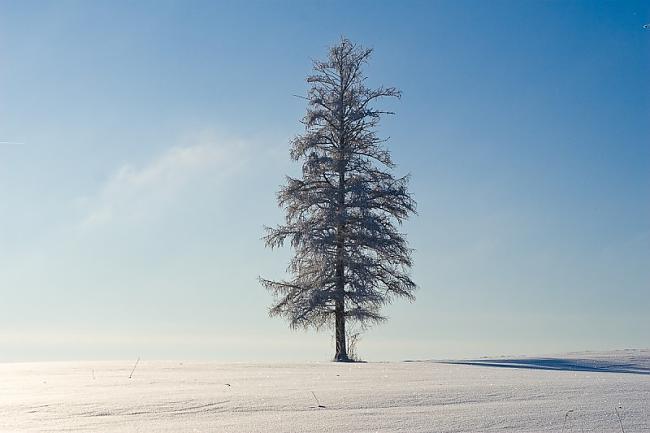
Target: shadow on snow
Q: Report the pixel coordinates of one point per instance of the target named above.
(591, 365)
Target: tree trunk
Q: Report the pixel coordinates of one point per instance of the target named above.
(341, 351)
(339, 313)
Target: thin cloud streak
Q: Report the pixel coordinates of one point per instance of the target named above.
(135, 193)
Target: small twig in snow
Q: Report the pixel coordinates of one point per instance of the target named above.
(619, 417)
(136, 364)
(566, 417)
(317, 402)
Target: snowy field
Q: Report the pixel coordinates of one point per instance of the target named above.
(578, 392)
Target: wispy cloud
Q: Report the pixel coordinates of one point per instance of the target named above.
(136, 192)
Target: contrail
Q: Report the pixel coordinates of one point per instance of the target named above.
(11, 142)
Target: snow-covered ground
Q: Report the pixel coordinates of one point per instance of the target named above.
(576, 392)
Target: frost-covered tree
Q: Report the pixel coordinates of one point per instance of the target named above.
(341, 215)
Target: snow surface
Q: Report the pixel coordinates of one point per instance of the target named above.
(521, 394)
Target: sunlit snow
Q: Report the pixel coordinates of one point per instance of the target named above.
(515, 394)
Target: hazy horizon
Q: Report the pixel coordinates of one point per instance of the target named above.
(142, 145)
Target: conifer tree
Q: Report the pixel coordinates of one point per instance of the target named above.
(342, 214)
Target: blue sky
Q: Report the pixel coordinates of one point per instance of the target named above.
(141, 146)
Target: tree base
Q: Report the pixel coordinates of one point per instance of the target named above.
(342, 358)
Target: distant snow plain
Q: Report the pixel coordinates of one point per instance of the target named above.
(581, 392)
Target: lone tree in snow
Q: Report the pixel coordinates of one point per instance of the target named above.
(349, 258)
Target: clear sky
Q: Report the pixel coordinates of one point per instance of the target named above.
(142, 143)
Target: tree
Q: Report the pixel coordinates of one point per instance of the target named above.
(341, 216)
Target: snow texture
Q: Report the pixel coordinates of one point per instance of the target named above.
(578, 392)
